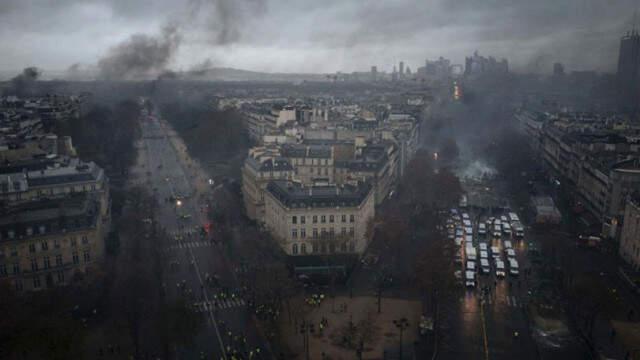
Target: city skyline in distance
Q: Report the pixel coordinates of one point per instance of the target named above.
(270, 36)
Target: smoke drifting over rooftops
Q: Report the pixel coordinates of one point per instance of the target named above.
(21, 83)
(144, 56)
(309, 35)
(141, 56)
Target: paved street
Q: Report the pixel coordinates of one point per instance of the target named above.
(495, 323)
(193, 259)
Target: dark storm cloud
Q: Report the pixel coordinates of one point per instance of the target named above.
(311, 35)
(584, 33)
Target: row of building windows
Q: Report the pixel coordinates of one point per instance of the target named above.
(19, 190)
(37, 284)
(316, 248)
(323, 232)
(317, 171)
(323, 219)
(44, 246)
(46, 263)
(308, 161)
(69, 189)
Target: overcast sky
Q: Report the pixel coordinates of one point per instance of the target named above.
(311, 35)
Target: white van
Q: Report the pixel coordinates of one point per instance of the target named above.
(483, 247)
(484, 266)
(470, 251)
(495, 252)
(504, 219)
(519, 229)
(482, 229)
(513, 217)
(507, 244)
(506, 229)
(470, 279)
(484, 255)
(511, 254)
(471, 266)
(513, 267)
(500, 271)
(497, 230)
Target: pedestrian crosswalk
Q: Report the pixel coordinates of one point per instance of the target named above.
(190, 245)
(204, 306)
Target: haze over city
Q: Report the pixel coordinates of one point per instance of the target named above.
(320, 180)
(309, 36)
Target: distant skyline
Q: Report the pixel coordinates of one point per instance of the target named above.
(307, 36)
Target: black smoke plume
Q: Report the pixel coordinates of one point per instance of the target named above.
(22, 84)
(141, 56)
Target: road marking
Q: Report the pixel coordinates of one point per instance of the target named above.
(484, 334)
(205, 306)
(190, 244)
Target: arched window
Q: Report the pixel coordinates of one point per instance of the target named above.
(294, 249)
(303, 248)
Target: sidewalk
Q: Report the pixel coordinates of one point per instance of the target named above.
(347, 326)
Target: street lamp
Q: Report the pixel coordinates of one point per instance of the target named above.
(401, 324)
(179, 203)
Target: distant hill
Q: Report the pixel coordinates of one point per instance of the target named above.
(210, 74)
(230, 74)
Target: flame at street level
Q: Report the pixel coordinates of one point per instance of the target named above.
(457, 93)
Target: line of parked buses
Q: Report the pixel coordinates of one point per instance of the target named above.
(493, 234)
